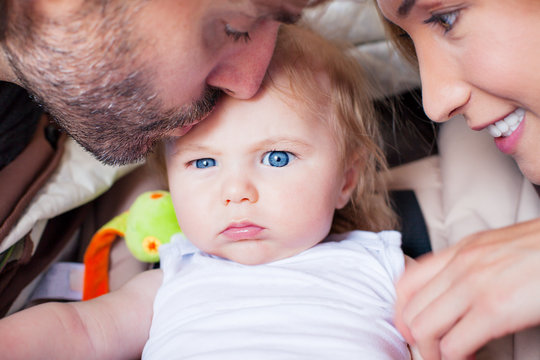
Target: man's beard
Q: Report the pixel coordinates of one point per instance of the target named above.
(127, 134)
(83, 71)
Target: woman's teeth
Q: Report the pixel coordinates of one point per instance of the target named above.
(506, 126)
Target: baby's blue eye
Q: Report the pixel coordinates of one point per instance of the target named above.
(204, 163)
(277, 158)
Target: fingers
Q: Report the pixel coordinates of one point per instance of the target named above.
(413, 280)
(446, 300)
(435, 309)
(469, 334)
(436, 294)
(452, 303)
(430, 323)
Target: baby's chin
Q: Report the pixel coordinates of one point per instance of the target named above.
(253, 259)
(254, 252)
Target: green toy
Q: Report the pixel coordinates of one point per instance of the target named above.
(149, 223)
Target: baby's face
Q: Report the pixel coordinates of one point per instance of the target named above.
(256, 181)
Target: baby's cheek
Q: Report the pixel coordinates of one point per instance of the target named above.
(314, 219)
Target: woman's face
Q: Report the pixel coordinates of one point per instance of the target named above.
(480, 59)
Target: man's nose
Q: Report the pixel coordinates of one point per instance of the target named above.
(242, 67)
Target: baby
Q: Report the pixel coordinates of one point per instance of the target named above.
(282, 205)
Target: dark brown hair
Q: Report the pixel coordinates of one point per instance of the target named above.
(399, 38)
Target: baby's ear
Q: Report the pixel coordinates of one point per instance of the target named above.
(351, 171)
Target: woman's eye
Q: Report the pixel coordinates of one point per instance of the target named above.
(277, 158)
(204, 163)
(235, 34)
(446, 21)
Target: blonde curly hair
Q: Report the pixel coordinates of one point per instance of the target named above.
(302, 56)
(333, 87)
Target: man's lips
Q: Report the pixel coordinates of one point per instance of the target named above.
(185, 129)
(181, 131)
(242, 231)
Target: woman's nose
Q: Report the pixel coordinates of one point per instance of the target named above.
(444, 93)
(242, 68)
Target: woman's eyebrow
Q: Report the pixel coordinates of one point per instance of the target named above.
(405, 8)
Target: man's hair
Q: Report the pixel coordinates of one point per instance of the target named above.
(332, 86)
(3, 19)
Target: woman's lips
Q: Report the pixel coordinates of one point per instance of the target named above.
(243, 231)
(508, 144)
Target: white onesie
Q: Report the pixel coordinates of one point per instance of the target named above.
(333, 301)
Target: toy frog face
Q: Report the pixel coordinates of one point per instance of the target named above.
(150, 222)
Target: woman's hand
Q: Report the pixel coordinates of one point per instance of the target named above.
(488, 285)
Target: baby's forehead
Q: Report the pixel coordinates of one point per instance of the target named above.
(300, 85)
(310, 100)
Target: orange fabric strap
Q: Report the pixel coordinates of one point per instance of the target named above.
(96, 263)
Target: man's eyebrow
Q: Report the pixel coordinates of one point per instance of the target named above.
(286, 17)
(405, 7)
(281, 13)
